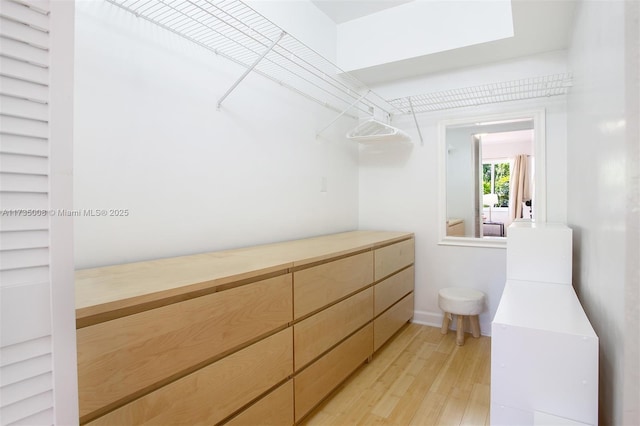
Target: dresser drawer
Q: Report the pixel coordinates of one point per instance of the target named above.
(214, 392)
(132, 354)
(314, 383)
(321, 285)
(389, 322)
(392, 289)
(321, 331)
(392, 258)
(274, 409)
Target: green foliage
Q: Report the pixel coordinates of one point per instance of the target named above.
(501, 177)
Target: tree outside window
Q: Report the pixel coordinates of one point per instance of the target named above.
(495, 179)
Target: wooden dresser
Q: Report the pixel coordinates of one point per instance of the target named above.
(255, 335)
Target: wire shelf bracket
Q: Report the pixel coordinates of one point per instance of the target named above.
(251, 68)
(415, 120)
(342, 113)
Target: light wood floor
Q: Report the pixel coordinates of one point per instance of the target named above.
(419, 378)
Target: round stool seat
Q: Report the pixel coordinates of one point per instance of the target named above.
(461, 301)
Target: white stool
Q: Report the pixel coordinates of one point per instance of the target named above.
(463, 302)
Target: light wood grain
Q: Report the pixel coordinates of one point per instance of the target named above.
(100, 291)
(460, 329)
(475, 325)
(394, 257)
(446, 319)
(325, 247)
(214, 392)
(420, 378)
(318, 286)
(387, 324)
(320, 378)
(274, 409)
(455, 228)
(392, 289)
(318, 333)
(107, 290)
(120, 357)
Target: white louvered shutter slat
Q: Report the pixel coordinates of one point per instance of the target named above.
(23, 52)
(37, 365)
(23, 258)
(24, 164)
(20, 277)
(10, 67)
(25, 200)
(23, 145)
(18, 391)
(23, 108)
(21, 12)
(27, 350)
(23, 89)
(14, 413)
(23, 223)
(21, 126)
(14, 182)
(42, 6)
(23, 240)
(18, 31)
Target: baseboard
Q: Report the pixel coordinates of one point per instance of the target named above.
(434, 319)
(427, 318)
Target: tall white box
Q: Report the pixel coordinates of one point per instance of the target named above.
(540, 252)
(544, 352)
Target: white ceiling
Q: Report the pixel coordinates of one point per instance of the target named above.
(539, 26)
(345, 10)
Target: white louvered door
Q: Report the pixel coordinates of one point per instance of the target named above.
(27, 284)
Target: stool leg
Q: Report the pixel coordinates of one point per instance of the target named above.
(460, 331)
(445, 323)
(475, 326)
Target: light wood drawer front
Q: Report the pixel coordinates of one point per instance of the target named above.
(119, 357)
(321, 285)
(212, 393)
(391, 258)
(320, 378)
(319, 332)
(388, 323)
(392, 289)
(275, 409)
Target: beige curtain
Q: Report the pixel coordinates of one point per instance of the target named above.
(520, 185)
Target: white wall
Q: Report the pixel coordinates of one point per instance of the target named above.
(603, 195)
(398, 184)
(148, 139)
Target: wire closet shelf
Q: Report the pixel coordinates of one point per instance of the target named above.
(235, 31)
(528, 88)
